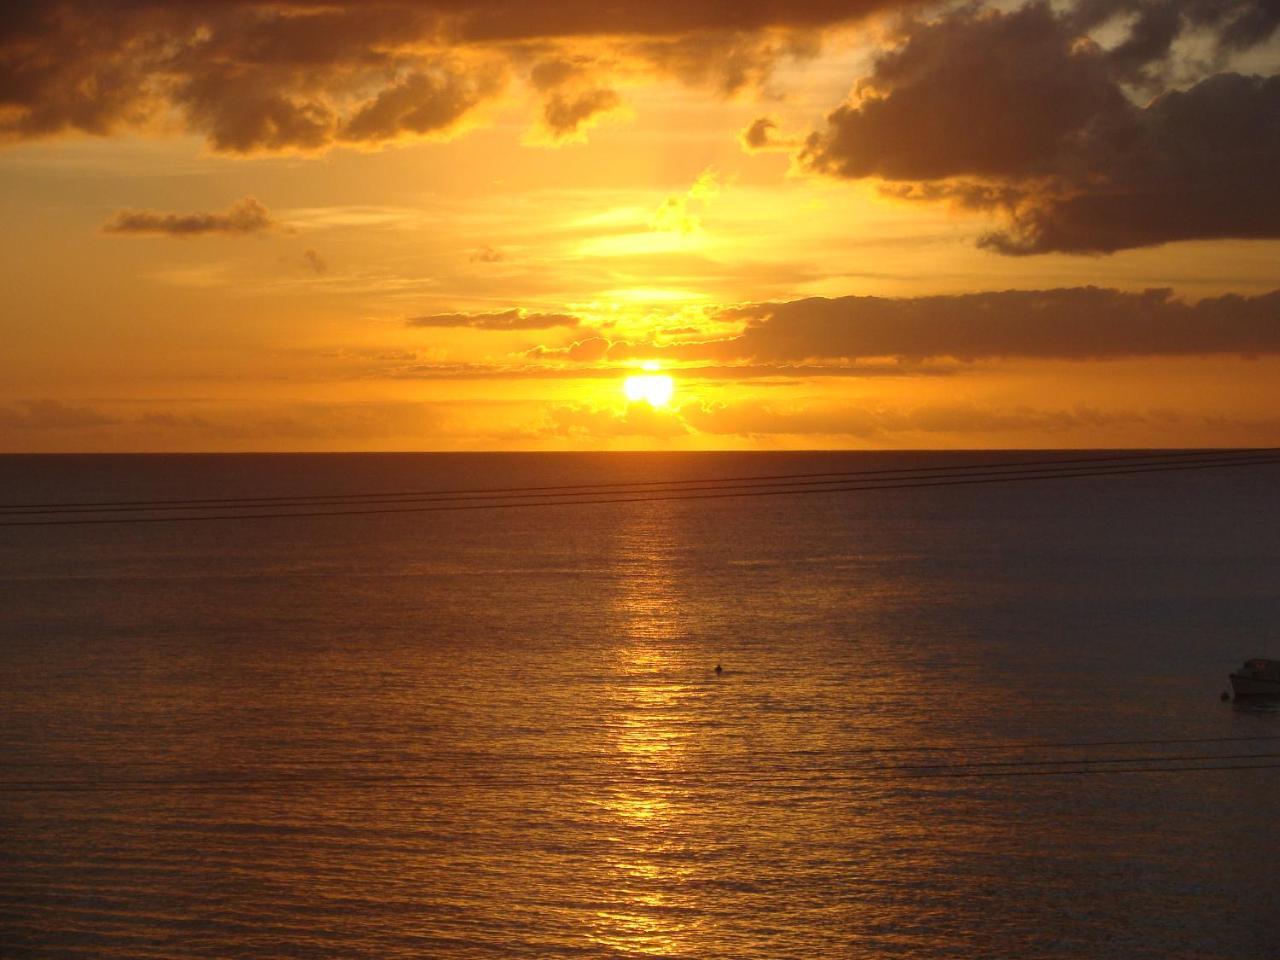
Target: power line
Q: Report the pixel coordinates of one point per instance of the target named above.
(748, 483)
(583, 488)
(714, 494)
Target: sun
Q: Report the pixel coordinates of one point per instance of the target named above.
(654, 389)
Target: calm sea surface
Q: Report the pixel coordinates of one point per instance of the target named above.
(500, 734)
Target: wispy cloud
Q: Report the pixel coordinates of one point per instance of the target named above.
(244, 217)
(505, 320)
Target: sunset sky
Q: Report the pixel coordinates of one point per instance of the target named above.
(462, 224)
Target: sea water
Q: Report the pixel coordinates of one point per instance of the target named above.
(500, 733)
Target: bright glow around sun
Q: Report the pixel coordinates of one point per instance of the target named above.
(654, 389)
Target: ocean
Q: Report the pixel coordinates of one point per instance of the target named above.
(501, 733)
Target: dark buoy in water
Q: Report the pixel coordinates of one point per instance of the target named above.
(719, 669)
(1225, 696)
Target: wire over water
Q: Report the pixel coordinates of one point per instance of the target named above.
(729, 488)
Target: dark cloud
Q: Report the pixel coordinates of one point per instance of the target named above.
(283, 75)
(852, 336)
(503, 19)
(557, 71)
(423, 103)
(762, 134)
(572, 96)
(316, 262)
(242, 112)
(1154, 26)
(245, 216)
(758, 135)
(731, 61)
(506, 320)
(1081, 323)
(565, 114)
(1195, 164)
(973, 93)
(1018, 113)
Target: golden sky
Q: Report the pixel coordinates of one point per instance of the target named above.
(439, 225)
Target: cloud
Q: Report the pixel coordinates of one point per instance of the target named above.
(588, 350)
(565, 115)
(405, 369)
(304, 75)
(272, 76)
(573, 99)
(488, 254)
(636, 419)
(755, 418)
(1017, 113)
(1080, 323)
(976, 93)
(245, 216)
(732, 59)
(52, 415)
(1155, 25)
(1196, 164)
(497, 19)
(506, 320)
(865, 422)
(762, 134)
(905, 336)
(316, 262)
(423, 103)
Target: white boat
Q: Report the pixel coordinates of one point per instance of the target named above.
(1257, 678)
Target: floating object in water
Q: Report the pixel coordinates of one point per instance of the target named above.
(719, 669)
(1257, 678)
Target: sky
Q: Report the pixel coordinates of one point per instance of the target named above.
(464, 224)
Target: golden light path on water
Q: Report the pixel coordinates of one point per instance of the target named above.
(648, 748)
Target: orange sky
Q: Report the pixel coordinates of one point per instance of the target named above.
(439, 225)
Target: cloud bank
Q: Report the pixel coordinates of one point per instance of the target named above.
(1080, 323)
(831, 336)
(304, 75)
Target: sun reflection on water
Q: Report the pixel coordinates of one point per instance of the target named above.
(648, 914)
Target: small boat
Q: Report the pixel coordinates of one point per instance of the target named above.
(1257, 678)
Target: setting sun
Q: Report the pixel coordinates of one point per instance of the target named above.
(654, 389)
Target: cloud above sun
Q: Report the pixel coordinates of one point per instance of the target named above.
(1070, 324)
